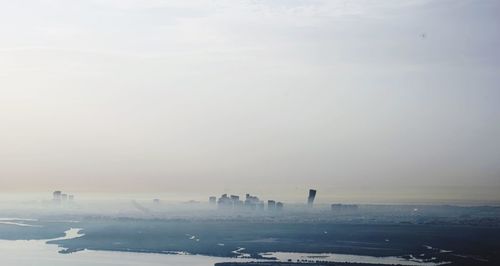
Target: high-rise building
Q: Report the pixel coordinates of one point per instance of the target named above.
(234, 202)
(224, 202)
(235, 198)
(271, 205)
(251, 202)
(279, 206)
(310, 199)
(57, 196)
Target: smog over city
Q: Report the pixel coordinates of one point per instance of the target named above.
(249, 133)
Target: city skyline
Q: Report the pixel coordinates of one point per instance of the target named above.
(250, 132)
(366, 101)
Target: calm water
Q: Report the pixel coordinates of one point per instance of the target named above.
(38, 252)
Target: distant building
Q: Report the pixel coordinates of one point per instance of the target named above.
(235, 198)
(252, 201)
(234, 202)
(279, 206)
(57, 196)
(271, 205)
(224, 202)
(156, 201)
(212, 200)
(310, 199)
(237, 203)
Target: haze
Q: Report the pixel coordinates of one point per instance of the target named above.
(363, 100)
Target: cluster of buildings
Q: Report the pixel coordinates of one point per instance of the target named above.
(250, 202)
(59, 196)
(253, 202)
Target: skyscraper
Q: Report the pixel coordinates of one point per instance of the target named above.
(310, 199)
(251, 201)
(224, 202)
(57, 196)
(271, 205)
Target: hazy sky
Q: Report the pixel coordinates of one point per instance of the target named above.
(360, 99)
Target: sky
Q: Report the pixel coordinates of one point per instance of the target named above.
(363, 100)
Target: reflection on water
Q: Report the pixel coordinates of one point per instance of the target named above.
(38, 252)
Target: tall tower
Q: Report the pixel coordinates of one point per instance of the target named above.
(310, 199)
